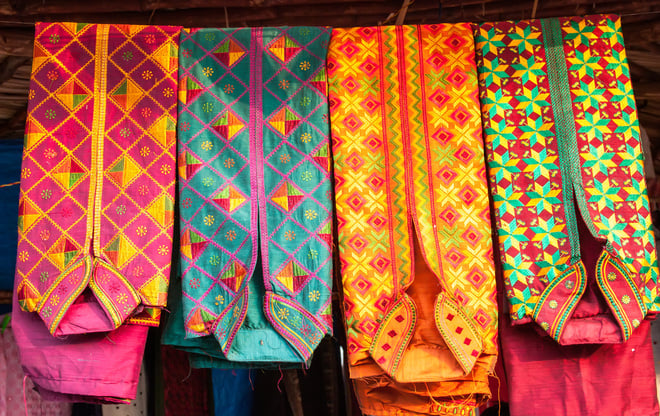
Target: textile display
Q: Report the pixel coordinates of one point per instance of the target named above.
(232, 392)
(255, 191)
(11, 384)
(97, 186)
(566, 169)
(413, 218)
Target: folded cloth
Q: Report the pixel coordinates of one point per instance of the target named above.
(413, 219)
(255, 191)
(566, 169)
(97, 189)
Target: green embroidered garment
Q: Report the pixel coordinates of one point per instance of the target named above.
(255, 191)
(567, 177)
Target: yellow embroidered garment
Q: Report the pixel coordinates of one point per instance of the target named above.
(97, 192)
(413, 218)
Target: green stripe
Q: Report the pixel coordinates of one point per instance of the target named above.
(569, 163)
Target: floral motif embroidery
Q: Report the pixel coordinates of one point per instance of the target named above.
(55, 300)
(150, 38)
(122, 298)
(283, 84)
(143, 190)
(305, 101)
(312, 253)
(24, 256)
(47, 311)
(314, 295)
(229, 163)
(46, 194)
(306, 176)
(305, 65)
(54, 38)
(25, 173)
(43, 277)
(208, 71)
(194, 283)
(207, 181)
(305, 137)
(209, 220)
(214, 260)
(207, 107)
(50, 114)
(31, 94)
(125, 132)
(230, 235)
(187, 53)
(228, 88)
(145, 151)
(625, 299)
(137, 272)
(167, 92)
(207, 145)
(219, 300)
(283, 314)
(186, 203)
(165, 169)
(289, 235)
(44, 235)
(146, 112)
(141, 231)
(185, 126)
(310, 214)
(127, 56)
(147, 75)
(285, 158)
(163, 250)
(53, 75)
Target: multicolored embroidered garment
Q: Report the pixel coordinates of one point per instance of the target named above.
(97, 190)
(566, 167)
(413, 217)
(255, 190)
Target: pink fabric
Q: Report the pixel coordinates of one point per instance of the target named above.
(98, 368)
(11, 385)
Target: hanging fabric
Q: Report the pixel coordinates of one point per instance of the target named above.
(413, 218)
(97, 186)
(566, 170)
(255, 191)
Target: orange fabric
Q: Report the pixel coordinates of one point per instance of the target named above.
(413, 217)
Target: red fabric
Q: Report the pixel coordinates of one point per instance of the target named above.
(186, 389)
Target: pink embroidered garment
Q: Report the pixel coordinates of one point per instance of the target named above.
(97, 191)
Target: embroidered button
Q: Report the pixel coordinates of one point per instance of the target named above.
(611, 276)
(553, 304)
(635, 323)
(569, 284)
(545, 325)
(625, 299)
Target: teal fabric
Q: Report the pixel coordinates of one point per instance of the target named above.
(255, 192)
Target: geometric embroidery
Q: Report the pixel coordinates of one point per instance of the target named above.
(72, 94)
(119, 251)
(229, 52)
(188, 165)
(284, 121)
(233, 276)
(192, 244)
(127, 94)
(164, 131)
(287, 196)
(292, 276)
(123, 171)
(69, 173)
(284, 48)
(28, 214)
(228, 125)
(162, 210)
(229, 198)
(62, 252)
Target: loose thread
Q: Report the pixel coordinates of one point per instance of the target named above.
(10, 184)
(24, 399)
(250, 378)
(281, 377)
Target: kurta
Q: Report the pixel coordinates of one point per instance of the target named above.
(413, 218)
(97, 190)
(566, 169)
(255, 191)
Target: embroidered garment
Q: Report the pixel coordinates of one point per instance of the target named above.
(96, 368)
(255, 191)
(413, 217)
(564, 154)
(97, 190)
